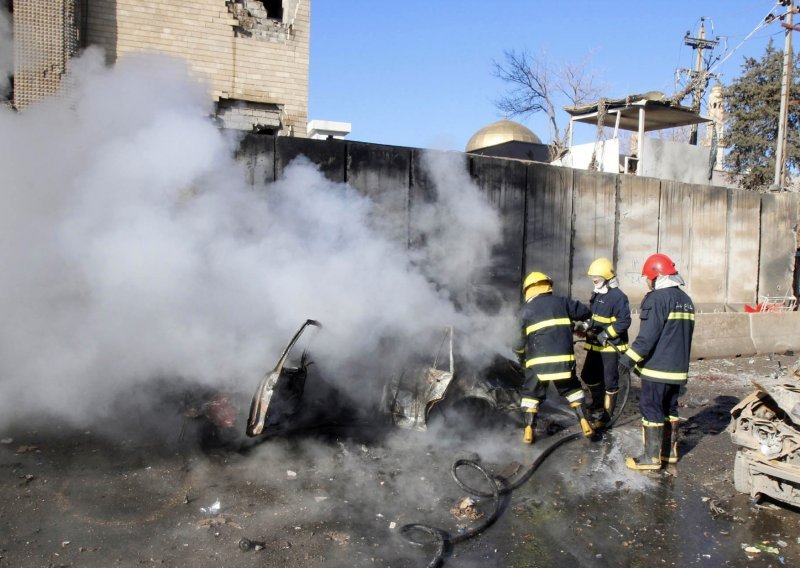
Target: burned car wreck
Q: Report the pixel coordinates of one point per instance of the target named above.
(766, 428)
(444, 386)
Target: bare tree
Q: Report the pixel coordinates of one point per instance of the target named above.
(537, 84)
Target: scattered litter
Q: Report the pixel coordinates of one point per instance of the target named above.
(782, 543)
(7, 441)
(291, 474)
(392, 525)
(713, 506)
(339, 538)
(65, 543)
(213, 509)
(766, 548)
(752, 550)
(320, 498)
(217, 521)
(466, 510)
(246, 545)
(26, 479)
(27, 449)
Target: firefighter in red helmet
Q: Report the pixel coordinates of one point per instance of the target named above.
(660, 356)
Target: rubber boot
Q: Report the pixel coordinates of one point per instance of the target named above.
(651, 440)
(583, 418)
(529, 433)
(597, 398)
(609, 405)
(669, 442)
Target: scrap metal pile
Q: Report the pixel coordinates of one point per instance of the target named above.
(766, 429)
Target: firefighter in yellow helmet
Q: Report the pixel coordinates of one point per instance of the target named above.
(607, 338)
(549, 355)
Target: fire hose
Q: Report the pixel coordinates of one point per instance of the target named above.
(499, 488)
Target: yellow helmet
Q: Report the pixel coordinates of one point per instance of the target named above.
(536, 278)
(601, 267)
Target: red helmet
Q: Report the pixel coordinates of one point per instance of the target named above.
(658, 265)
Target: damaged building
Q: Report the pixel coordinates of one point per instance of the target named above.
(253, 54)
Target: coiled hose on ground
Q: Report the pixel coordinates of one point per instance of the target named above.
(499, 488)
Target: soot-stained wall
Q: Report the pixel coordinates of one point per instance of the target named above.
(731, 246)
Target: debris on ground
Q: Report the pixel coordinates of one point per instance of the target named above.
(213, 509)
(27, 449)
(26, 479)
(714, 506)
(339, 538)
(217, 521)
(246, 545)
(466, 510)
(7, 441)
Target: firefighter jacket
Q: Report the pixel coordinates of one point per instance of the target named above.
(547, 326)
(661, 350)
(611, 313)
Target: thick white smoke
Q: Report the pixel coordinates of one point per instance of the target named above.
(132, 249)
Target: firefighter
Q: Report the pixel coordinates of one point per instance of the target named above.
(606, 338)
(660, 356)
(549, 355)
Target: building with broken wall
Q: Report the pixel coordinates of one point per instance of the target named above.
(254, 55)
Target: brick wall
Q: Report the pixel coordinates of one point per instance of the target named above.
(268, 67)
(45, 37)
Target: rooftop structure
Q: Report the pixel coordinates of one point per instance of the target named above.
(325, 129)
(649, 156)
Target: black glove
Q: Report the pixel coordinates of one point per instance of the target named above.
(624, 365)
(602, 338)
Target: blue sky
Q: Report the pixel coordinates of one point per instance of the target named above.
(419, 72)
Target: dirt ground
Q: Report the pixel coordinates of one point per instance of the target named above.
(338, 497)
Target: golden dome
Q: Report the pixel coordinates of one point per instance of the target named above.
(499, 132)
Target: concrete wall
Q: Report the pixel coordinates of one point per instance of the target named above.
(674, 160)
(730, 245)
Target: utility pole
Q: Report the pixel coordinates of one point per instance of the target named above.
(699, 44)
(786, 81)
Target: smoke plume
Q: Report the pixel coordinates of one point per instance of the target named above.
(133, 249)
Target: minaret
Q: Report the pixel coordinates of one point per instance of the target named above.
(716, 112)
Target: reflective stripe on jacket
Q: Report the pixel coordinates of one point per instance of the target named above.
(661, 350)
(547, 326)
(611, 313)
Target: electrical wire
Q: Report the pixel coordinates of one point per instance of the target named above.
(767, 20)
